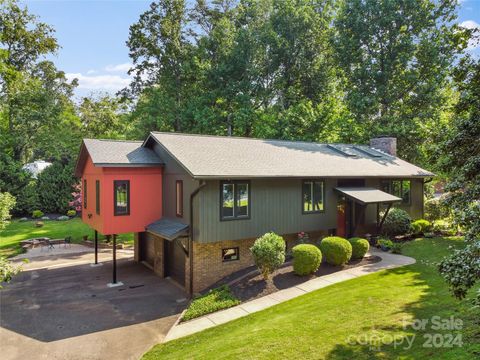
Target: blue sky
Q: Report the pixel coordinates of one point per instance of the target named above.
(93, 34)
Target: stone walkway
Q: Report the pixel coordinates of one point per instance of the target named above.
(389, 261)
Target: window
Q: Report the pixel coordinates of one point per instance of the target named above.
(235, 200)
(313, 193)
(85, 194)
(179, 197)
(121, 195)
(97, 196)
(400, 188)
(230, 254)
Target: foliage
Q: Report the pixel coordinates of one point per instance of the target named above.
(385, 244)
(359, 247)
(306, 259)
(436, 209)
(268, 253)
(415, 228)
(7, 202)
(396, 57)
(54, 186)
(396, 248)
(336, 250)
(16, 181)
(36, 214)
(397, 222)
(461, 159)
(422, 225)
(27, 199)
(216, 299)
(76, 201)
(71, 213)
(7, 270)
(444, 227)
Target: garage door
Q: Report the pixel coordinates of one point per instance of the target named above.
(147, 248)
(175, 261)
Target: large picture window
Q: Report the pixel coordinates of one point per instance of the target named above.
(313, 195)
(121, 194)
(234, 200)
(179, 198)
(399, 188)
(97, 197)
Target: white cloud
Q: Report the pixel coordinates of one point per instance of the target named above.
(100, 82)
(91, 71)
(470, 24)
(119, 67)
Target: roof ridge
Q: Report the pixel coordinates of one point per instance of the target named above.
(256, 139)
(115, 140)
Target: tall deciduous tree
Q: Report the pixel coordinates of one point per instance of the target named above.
(460, 158)
(396, 56)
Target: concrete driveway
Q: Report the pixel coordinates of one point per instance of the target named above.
(67, 311)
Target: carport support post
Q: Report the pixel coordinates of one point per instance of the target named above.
(114, 259)
(96, 247)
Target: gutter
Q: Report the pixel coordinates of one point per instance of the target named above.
(190, 238)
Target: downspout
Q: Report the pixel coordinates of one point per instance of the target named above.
(190, 238)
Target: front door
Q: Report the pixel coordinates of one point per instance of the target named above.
(348, 210)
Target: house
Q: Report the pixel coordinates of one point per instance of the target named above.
(196, 203)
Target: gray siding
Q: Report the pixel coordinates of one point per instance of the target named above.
(275, 206)
(173, 172)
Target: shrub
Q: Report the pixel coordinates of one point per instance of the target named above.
(63, 218)
(216, 299)
(71, 213)
(396, 248)
(415, 228)
(336, 250)
(436, 209)
(385, 244)
(38, 223)
(7, 202)
(397, 222)
(268, 253)
(36, 214)
(423, 225)
(27, 199)
(444, 227)
(359, 247)
(306, 259)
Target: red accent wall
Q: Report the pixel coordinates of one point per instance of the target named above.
(145, 198)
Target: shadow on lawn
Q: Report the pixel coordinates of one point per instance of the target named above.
(392, 341)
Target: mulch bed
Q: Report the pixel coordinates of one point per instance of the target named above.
(253, 286)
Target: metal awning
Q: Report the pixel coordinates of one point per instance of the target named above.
(168, 228)
(366, 195)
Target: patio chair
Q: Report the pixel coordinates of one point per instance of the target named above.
(49, 244)
(68, 241)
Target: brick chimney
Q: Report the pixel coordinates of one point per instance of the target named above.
(385, 143)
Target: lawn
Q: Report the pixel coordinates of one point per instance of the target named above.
(349, 320)
(17, 231)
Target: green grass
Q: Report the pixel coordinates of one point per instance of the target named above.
(17, 231)
(326, 324)
(217, 299)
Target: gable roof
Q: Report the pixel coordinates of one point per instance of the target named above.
(115, 153)
(205, 156)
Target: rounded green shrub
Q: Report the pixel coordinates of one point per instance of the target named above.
(360, 247)
(71, 213)
(336, 250)
(306, 259)
(36, 214)
(397, 222)
(415, 228)
(423, 225)
(268, 253)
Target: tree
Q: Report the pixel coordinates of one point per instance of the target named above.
(396, 57)
(55, 186)
(460, 158)
(7, 202)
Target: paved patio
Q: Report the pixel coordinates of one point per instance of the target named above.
(389, 261)
(61, 308)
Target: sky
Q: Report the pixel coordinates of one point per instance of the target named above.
(92, 36)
